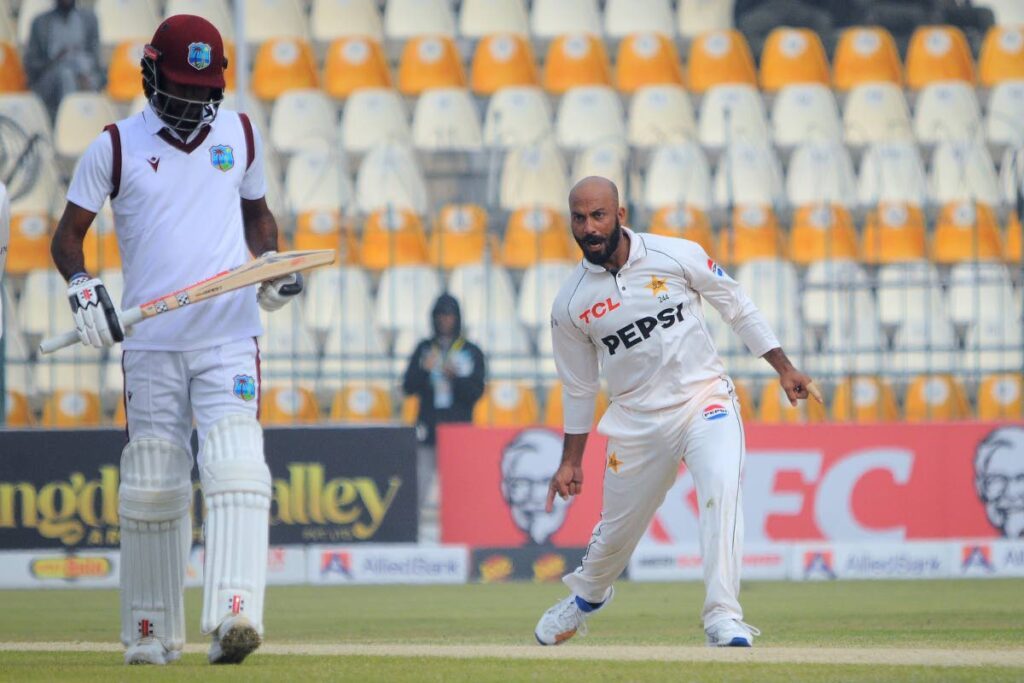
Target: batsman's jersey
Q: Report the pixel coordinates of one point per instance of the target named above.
(178, 218)
(646, 328)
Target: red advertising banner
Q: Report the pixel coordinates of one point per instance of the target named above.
(801, 483)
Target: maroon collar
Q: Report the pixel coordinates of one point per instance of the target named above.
(186, 147)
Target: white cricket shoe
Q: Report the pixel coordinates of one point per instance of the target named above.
(150, 651)
(233, 641)
(566, 619)
(731, 633)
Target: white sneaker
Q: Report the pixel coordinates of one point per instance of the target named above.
(731, 633)
(150, 651)
(233, 641)
(566, 619)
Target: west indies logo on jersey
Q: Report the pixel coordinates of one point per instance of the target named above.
(199, 55)
(244, 387)
(715, 268)
(715, 411)
(222, 157)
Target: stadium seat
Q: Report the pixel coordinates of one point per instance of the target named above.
(534, 175)
(938, 53)
(876, 112)
(999, 397)
(79, 117)
(575, 60)
(479, 18)
(331, 19)
(994, 341)
(69, 408)
(485, 293)
(29, 112)
(694, 17)
(217, 12)
(373, 117)
(822, 232)
(280, 405)
(287, 350)
(429, 62)
(753, 234)
(893, 233)
(946, 110)
(393, 237)
(805, 112)
(646, 59)
(267, 20)
(935, 398)
(12, 75)
(837, 297)
(29, 245)
(719, 58)
(17, 411)
(100, 243)
(535, 234)
(354, 63)
(625, 17)
(317, 180)
(966, 232)
(75, 369)
(124, 83)
(892, 172)
(389, 177)
(976, 289)
(506, 404)
(337, 296)
(405, 19)
(910, 301)
(121, 20)
(660, 115)
(791, 56)
(502, 60)
(866, 54)
(607, 160)
(517, 116)
(283, 64)
(28, 10)
(732, 113)
(355, 351)
(1014, 238)
(1004, 114)
(405, 297)
(505, 345)
(546, 369)
(821, 173)
(589, 115)
(1007, 12)
(8, 23)
(963, 172)
(541, 282)
(362, 403)
(686, 222)
(864, 399)
(773, 286)
(1002, 56)
(553, 415)
(303, 120)
(446, 120)
(678, 174)
(460, 236)
(748, 174)
(776, 409)
(552, 18)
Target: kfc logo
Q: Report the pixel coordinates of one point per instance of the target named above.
(999, 479)
(527, 465)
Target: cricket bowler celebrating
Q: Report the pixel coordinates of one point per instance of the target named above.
(633, 307)
(186, 184)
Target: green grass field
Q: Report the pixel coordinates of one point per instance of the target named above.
(871, 622)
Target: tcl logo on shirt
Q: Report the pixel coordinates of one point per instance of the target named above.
(639, 330)
(599, 309)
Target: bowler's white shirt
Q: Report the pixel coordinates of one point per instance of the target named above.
(645, 326)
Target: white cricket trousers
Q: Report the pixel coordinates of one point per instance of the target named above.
(644, 452)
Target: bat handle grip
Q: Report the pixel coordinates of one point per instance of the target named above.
(51, 344)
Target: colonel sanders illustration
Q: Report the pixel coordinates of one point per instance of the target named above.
(527, 465)
(999, 479)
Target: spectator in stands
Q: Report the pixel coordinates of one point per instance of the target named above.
(63, 53)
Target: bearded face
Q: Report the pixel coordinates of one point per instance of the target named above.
(598, 249)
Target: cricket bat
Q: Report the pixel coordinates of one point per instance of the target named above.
(258, 270)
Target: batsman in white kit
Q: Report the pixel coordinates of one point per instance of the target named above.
(186, 185)
(633, 308)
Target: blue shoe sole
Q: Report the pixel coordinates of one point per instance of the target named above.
(738, 642)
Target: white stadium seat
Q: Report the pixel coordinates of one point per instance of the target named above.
(485, 293)
(1011, 175)
(876, 112)
(534, 176)
(552, 18)
(516, 116)
(371, 117)
(27, 12)
(837, 297)
(411, 18)
(390, 177)
(73, 368)
(217, 12)
(732, 113)
(772, 285)
(678, 174)
(963, 171)
(29, 112)
(122, 20)
(266, 19)
(660, 115)
(505, 345)
(1005, 112)
(479, 18)
(803, 112)
(303, 120)
(404, 299)
(946, 110)
(607, 160)
(821, 173)
(446, 120)
(537, 291)
(8, 28)
(331, 19)
(980, 289)
(892, 172)
(589, 115)
(43, 309)
(748, 173)
(623, 17)
(318, 180)
(699, 16)
(337, 296)
(287, 350)
(80, 118)
(1008, 12)
(910, 300)
(352, 349)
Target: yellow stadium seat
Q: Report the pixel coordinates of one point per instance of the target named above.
(288, 405)
(822, 232)
(459, 236)
(410, 409)
(19, 414)
(755, 234)
(352, 63)
(29, 245)
(506, 404)
(685, 221)
(935, 397)
(938, 53)
(1014, 253)
(100, 245)
(362, 403)
(68, 408)
(966, 232)
(535, 234)
(393, 237)
(120, 418)
(283, 64)
(790, 56)
(894, 233)
(124, 79)
(1002, 56)
(743, 397)
(229, 73)
(500, 61)
(776, 409)
(574, 60)
(553, 406)
(12, 75)
(999, 397)
(647, 59)
(429, 62)
(866, 54)
(317, 229)
(864, 399)
(718, 58)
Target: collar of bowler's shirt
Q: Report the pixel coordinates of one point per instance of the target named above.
(154, 124)
(637, 250)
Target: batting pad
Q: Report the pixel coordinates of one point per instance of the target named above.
(236, 486)
(156, 535)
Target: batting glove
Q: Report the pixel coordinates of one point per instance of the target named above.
(97, 320)
(274, 294)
